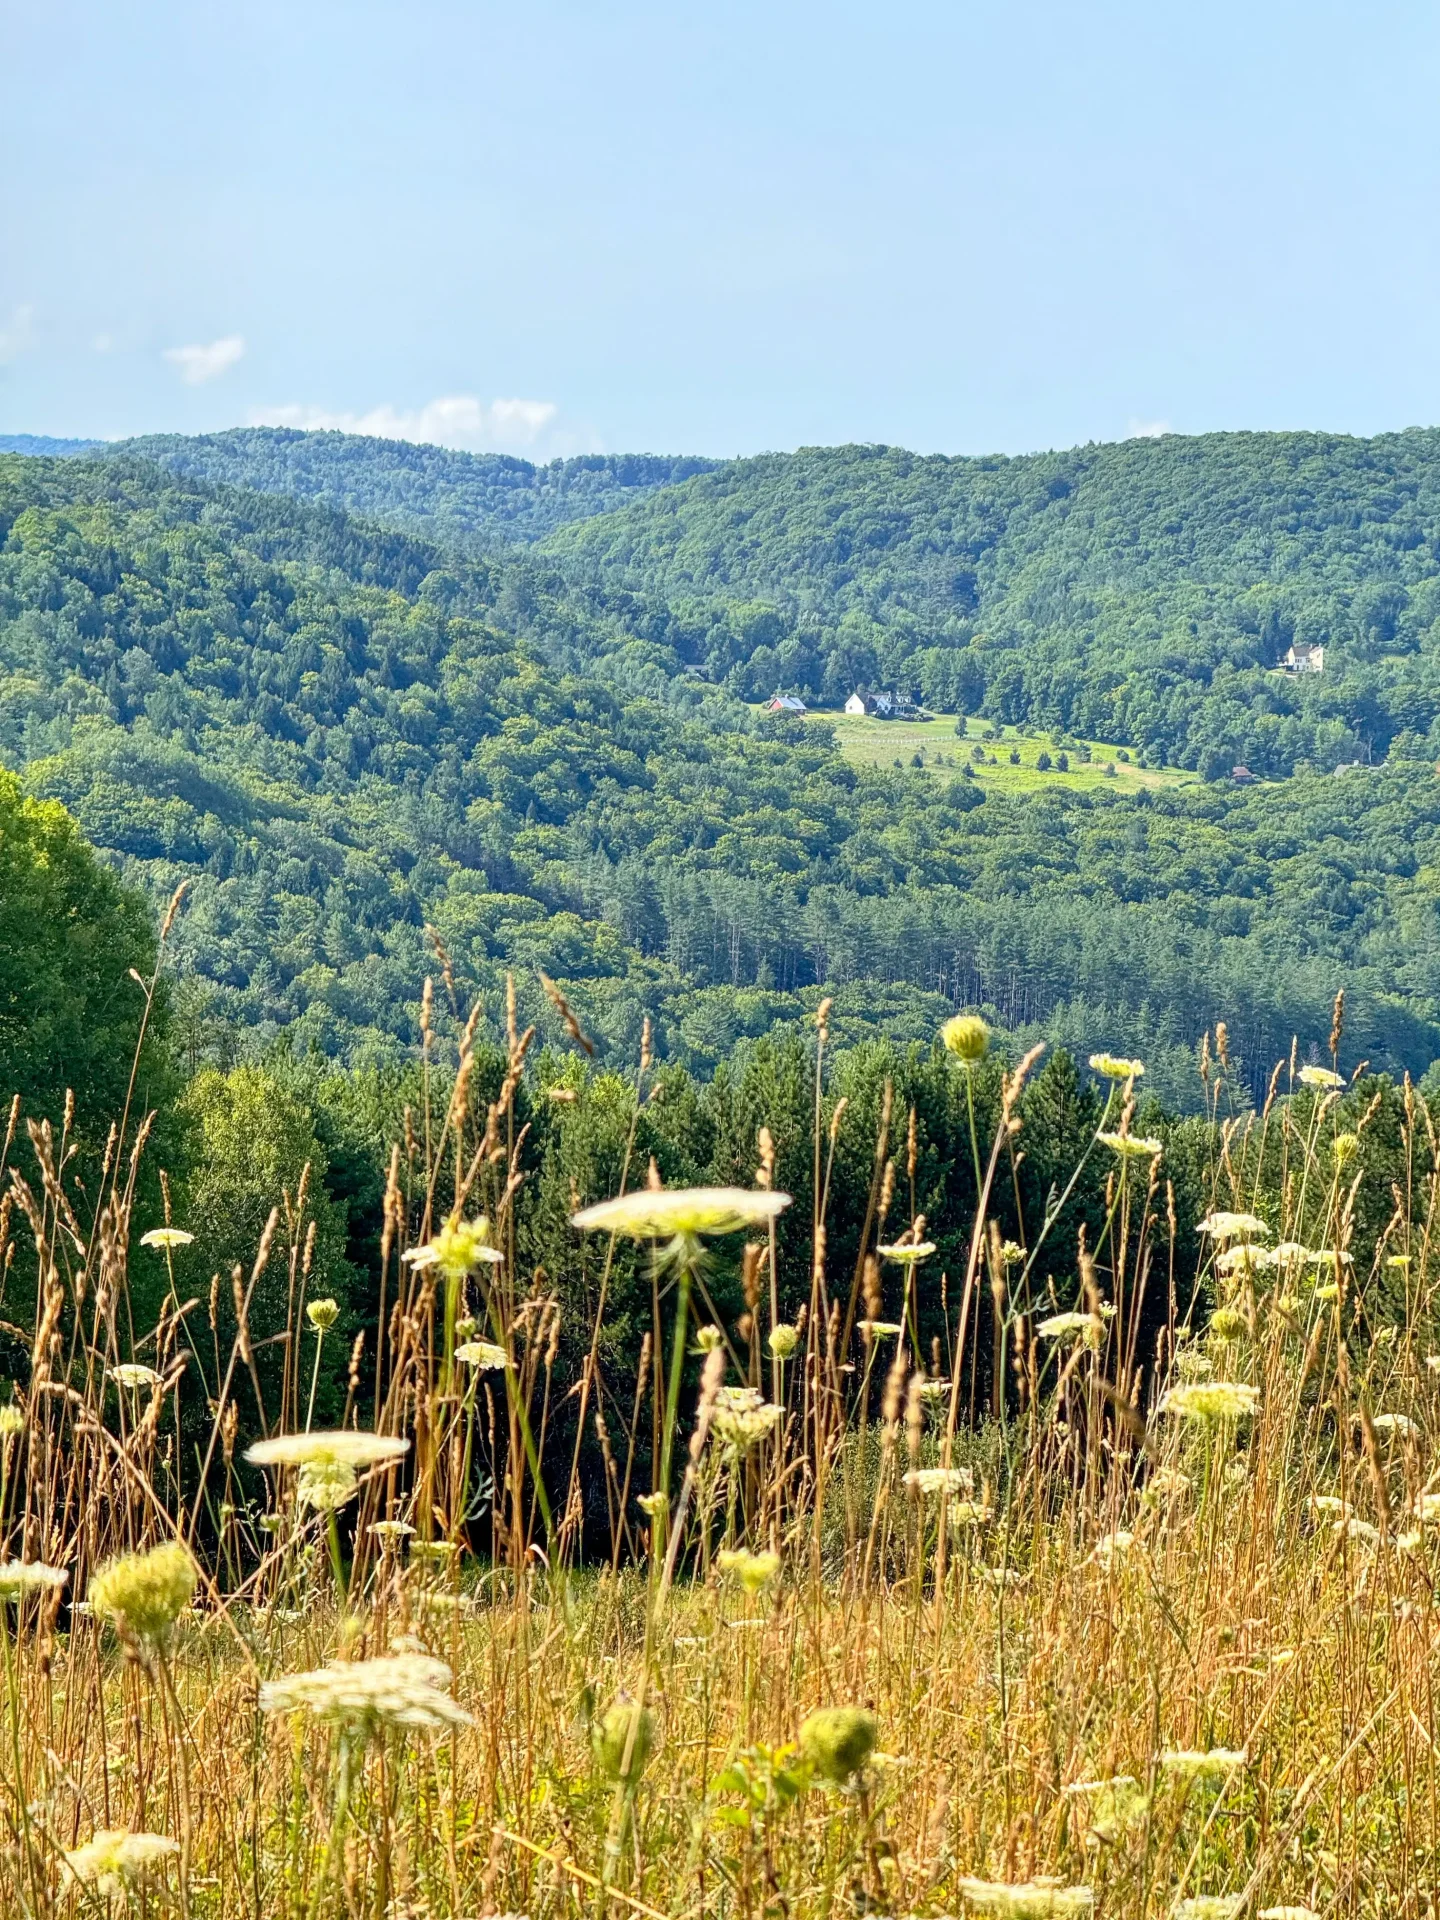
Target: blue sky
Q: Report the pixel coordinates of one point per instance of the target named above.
(551, 226)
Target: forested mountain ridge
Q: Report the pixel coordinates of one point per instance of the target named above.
(45, 446)
(342, 735)
(466, 499)
(1143, 591)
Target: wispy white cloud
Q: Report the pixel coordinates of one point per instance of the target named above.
(197, 364)
(17, 336)
(460, 420)
(1147, 429)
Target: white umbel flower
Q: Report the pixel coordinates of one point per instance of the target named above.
(1207, 1400)
(684, 1212)
(19, 1577)
(1027, 1899)
(938, 1480)
(366, 1697)
(1209, 1763)
(114, 1862)
(1221, 1225)
(345, 1448)
(131, 1374)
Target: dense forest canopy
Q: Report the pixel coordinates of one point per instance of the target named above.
(1142, 592)
(353, 740)
(460, 497)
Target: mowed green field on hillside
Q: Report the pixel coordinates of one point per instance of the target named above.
(886, 743)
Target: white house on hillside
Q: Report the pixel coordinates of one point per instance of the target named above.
(880, 706)
(1304, 658)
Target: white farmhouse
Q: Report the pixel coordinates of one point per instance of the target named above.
(1304, 658)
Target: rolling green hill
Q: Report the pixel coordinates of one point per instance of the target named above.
(462, 498)
(344, 735)
(1143, 592)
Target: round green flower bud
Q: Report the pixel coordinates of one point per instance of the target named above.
(322, 1314)
(783, 1341)
(967, 1037)
(837, 1741)
(144, 1593)
(611, 1735)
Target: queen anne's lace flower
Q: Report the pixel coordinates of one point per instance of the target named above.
(837, 1741)
(1072, 1326)
(1209, 1763)
(483, 1355)
(1207, 1400)
(1132, 1146)
(783, 1341)
(19, 1577)
(1232, 1226)
(458, 1248)
(131, 1375)
(686, 1212)
(1400, 1423)
(907, 1253)
(742, 1416)
(622, 1739)
(407, 1690)
(345, 1447)
(1320, 1077)
(322, 1314)
(938, 1480)
(166, 1238)
(967, 1037)
(1111, 1547)
(1027, 1899)
(1207, 1906)
(114, 1862)
(1111, 1067)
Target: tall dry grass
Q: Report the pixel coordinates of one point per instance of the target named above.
(1128, 1606)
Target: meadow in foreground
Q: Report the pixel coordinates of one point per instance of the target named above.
(938, 1596)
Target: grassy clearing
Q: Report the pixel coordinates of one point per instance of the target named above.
(883, 743)
(1113, 1599)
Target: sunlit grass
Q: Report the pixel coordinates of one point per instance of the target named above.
(881, 743)
(1126, 1605)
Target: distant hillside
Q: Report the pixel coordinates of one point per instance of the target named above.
(459, 497)
(343, 734)
(41, 446)
(1141, 592)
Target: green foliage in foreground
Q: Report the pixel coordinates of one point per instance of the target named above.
(70, 1010)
